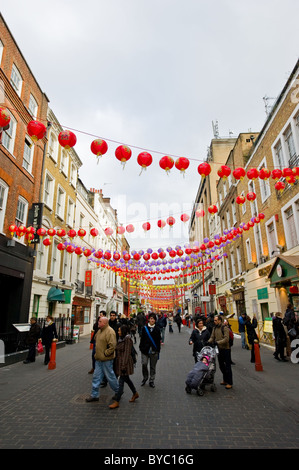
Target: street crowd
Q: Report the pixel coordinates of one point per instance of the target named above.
(114, 355)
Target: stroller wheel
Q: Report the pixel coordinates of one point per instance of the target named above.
(200, 392)
(188, 389)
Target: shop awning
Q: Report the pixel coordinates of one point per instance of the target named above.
(284, 270)
(55, 295)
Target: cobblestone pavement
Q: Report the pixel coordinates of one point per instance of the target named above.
(46, 409)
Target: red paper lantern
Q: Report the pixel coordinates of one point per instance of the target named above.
(41, 232)
(166, 163)
(127, 257)
(81, 232)
(144, 159)
(47, 242)
(121, 230)
(12, 228)
(251, 196)
(239, 173)
(172, 253)
(67, 139)
(116, 256)
(4, 117)
(108, 231)
(213, 209)
(204, 169)
(61, 247)
(264, 174)
(51, 232)
(130, 228)
(202, 247)
(179, 252)
(276, 174)
(123, 154)
(146, 226)
(107, 255)
(61, 232)
(136, 256)
(224, 171)
(240, 200)
(146, 256)
(161, 223)
(185, 217)
(252, 174)
(70, 249)
(98, 254)
(155, 255)
(200, 213)
(20, 230)
(162, 255)
(170, 221)
(78, 250)
(182, 164)
(71, 233)
(37, 130)
(94, 232)
(294, 290)
(287, 172)
(295, 171)
(99, 147)
(87, 252)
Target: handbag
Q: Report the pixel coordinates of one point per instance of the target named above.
(39, 347)
(292, 332)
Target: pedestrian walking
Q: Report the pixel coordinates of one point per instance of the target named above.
(150, 349)
(49, 334)
(140, 321)
(161, 324)
(104, 355)
(178, 321)
(242, 329)
(31, 340)
(280, 337)
(92, 341)
(170, 322)
(199, 338)
(251, 334)
(220, 337)
(124, 365)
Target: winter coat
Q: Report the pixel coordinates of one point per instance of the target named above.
(220, 335)
(124, 361)
(250, 328)
(178, 319)
(279, 331)
(145, 342)
(199, 339)
(105, 344)
(161, 322)
(196, 374)
(33, 334)
(49, 333)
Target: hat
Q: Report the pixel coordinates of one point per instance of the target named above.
(206, 357)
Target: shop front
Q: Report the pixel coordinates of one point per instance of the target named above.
(284, 278)
(81, 314)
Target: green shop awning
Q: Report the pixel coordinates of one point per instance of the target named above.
(285, 270)
(55, 295)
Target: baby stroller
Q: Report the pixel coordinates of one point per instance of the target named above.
(203, 372)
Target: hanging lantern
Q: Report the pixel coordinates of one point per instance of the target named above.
(29, 236)
(41, 232)
(200, 213)
(264, 174)
(71, 233)
(162, 255)
(166, 163)
(179, 252)
(87, 252)
(146, 256)
(204, 169)
(251, 196)
(185, 218)
(78, 251)
(116, 256)
(47, 242)
(67, 139)
(146, 226)
(276, 174)
(295, 171)
(224, 172)
(136, 256)
(12, 228)
(20, 231)
(70, 249)
(294, 290)
(61, 232)
(4, 117)
(108, 231)
(287, 172)
(99, 147)
(94, 232)
(51, 232)
(261, 216)
(240, 200)
(154, 256)
(61, 247)
(213, 209)
(127, 257)
(98, 254)
(239, 173)
(37, 130)
(182, 164)
(161, 223)
(252, 174)
(170, 221)
(81, 232)
(107, 255)
(144, 159)
(291, 179)
(120, 230)
(123, 154)
(172, 253)
(130, 228)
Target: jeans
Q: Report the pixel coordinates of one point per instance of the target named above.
(121, 382)
(152, 358)
(103, 369)
(243, 340)
(162, 334)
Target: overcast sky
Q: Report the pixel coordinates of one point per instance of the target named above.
(154, 75)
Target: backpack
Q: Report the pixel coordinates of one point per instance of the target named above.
(134, 354)
(231, 335)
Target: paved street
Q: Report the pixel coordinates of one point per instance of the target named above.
(46, 409)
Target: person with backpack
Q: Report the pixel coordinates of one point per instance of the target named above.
(124, 365)
(150, 344)
(231, 339)
(220, 337)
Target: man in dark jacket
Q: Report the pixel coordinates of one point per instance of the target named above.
(161, 324)
(150, 348)
(32, 338)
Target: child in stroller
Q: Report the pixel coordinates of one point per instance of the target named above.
(203, 372)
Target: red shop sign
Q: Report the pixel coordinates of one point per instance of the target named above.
(88, 278)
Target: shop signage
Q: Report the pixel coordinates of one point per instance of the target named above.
(88, 278)
(212, 289)
(262, 293)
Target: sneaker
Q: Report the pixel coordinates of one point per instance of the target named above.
(90, 399)
(143, 382)
(151, 384)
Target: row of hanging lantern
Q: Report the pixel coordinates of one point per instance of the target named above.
(99, 147)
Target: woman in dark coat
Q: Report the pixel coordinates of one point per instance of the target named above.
(199, 338)
(49, 334)
(280, 337)
(251, 334)
(124, 366)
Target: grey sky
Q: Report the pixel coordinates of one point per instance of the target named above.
(154, 75)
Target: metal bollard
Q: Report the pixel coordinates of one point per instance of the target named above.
(52, 363)
(257, 355)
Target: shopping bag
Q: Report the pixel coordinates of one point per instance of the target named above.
(40, 348)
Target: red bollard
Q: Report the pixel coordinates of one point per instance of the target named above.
(52, 363)
(258, 362)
